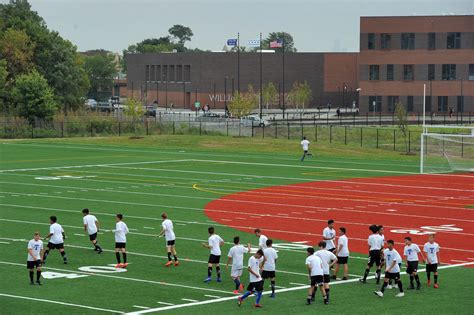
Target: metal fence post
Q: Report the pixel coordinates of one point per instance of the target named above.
(146, 127)
(62, 129)
(330, 133)
(409, 141)
(394, 131)
(361, 136)
(367, 118)
(380, 118)
(200, 127)
(302, 130)
(174, 127)
(276, 132)
(91, 128)
(377, 138)
(252, 128)
(316, 132)
(345, 134)
(263, 131)
(119, 128)
(288, 125)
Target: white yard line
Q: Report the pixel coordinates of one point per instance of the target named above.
(164, 303)
(213, 296)
(190, 300)
(142, 307)
(60, 303)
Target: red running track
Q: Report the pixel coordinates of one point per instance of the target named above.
(412, 205)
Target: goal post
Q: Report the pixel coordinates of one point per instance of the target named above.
(446, 149)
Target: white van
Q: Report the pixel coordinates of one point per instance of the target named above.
(254, 120)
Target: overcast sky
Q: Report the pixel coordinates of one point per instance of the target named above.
(316, 25)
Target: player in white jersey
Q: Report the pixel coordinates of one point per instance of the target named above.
(431, 248)
(168, 231)
(329, 236)
(375, 242)
(411, 251)
(35, 247)
(121, 231)
(328, 259)
(392, 269)
(91, 227)
(56, 239)
(214, 244)
(236, 256)
(342, 253)
(269, 267)
(315, 272)
(305, 146)
(262, 239)
(256, 281)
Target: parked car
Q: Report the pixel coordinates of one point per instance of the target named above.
(254, 120)
(150, 110)
(91, 103)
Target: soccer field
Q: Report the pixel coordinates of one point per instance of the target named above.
(234, 185)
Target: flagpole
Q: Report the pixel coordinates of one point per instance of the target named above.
(238, 62)
(283, 46)
(261, 99)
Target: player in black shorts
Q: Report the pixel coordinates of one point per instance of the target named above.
(375, 242)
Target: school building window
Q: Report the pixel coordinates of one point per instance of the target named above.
(409, 103)
(389, 72)
(408, 40)
(392, 101)
(371, 41)
(431, 72)
(442, 103)
(385, 41)
(453, 41)
(431, 41)
(373, 72)
(408, 72)
(449, 72)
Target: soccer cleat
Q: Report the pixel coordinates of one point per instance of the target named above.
(401, 294)
(96, 249)
(176, 263)
(308, 302)
(235, 291)
(418, 287)
(326, 301)
(169, 263)
(241, 288)
(428, 283)
(124, 265)
(272, 295)
(389, 287)
(32, 283)
(100, 251)
(378, 293)
(344, 278)
(239, 301)
(119, 265)
(208, 279)
(362, 281)
(333, 277)
(436, 286)
(219, 280)
(65, 262)
(258, 305)
(38, 282)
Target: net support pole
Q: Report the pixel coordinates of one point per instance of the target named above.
(422, 149)
(424, 104)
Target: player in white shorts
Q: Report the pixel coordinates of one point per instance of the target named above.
(168, 232)
(236, 256)
(305, 146)
(431, 248)
(35, 247)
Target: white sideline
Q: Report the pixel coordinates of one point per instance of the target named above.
(60, 303)
(159, 309)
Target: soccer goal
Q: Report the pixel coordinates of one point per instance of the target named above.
(446, 149)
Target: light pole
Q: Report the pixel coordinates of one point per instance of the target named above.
(225, 96)
(166, 91)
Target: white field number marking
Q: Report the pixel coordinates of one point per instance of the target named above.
(62, 177)
(58, 275)
(424, 230)
(102, 269)
(93, 269)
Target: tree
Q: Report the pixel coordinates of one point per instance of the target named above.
(101, 70)
(33, 97)
(3, 85)
(269, 93)
(287, 40)
(300, 94)
(241, 104)
(402, 123)
(17, 49)
(134, 109)
(181, 33)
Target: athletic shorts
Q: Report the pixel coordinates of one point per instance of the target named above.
(342, 260)
(33, 264)
(93, 237)
(412, 266)
(305, 151)
(317, 281)
(332, 250)
(55, 246)
(213, 259)
(326, 278)
(268, 274)
(120, 245)
(170, 243)
(392, 275)
(234, 273)
(431, 267)
(374, 258)
(255, 286)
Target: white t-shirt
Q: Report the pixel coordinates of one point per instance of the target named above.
(329, 233)
(121, 230)
(169, 232)
(316, 265)
(411, 252)
(36, 247)
(91, 225)
(375, 242)
(262, 242)
(237, 252)
(390, 256)
(431, 251)
(214, 241)
(326, 258)
(305, 145)
(57, 230)
(270, 256)
(344, 252)
(254, 264)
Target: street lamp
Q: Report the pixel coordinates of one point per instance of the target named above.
(225, 96)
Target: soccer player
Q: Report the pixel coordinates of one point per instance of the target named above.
(305, 146)
(91, 227)
(35, 247)
(57, 236)
(342, 253)
(392, 269)
(411, 251)
(431, 248)
(168, 231)
(121, 231)
(375, 242)
(328, 259)
(214, 244)
(262, 239)
(329, 236)
(236, 256)
(315, 271)
(270, 256)
(256, 281)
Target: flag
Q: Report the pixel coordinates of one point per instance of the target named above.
(253, 43)
(276, 43)
(232, 42)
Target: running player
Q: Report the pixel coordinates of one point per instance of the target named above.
(56, 236)
(35, 247)
(329, 236)
(236, 256)
(342, 253)
(168, 231)
(431, 248)
(315, 271)
(305, 146)
(392, 269)
(121, 231)
(262, 239)
(271, 257)
(411, 251)
(214, 244)
(328, 259)
(91, 227)
(375, 242)
(256, 281)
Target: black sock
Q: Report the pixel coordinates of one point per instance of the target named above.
(31, 276)
(64, 256)
(117, 255)
(175, 258)
(366, 273)
(97, 246)
(218, 271)
(411, 280)
(378, 274)
(45, 255)
(38, 275)
(428, 275)
(273, 286)
(124, 255)
(327, 293)
(436, 279)
(417, 279)
(384, 285)
(400, 286)
(308, 299)
(313, 295)
(169, 256)
(209, 272)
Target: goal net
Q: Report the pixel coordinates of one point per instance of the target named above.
(446, 149)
